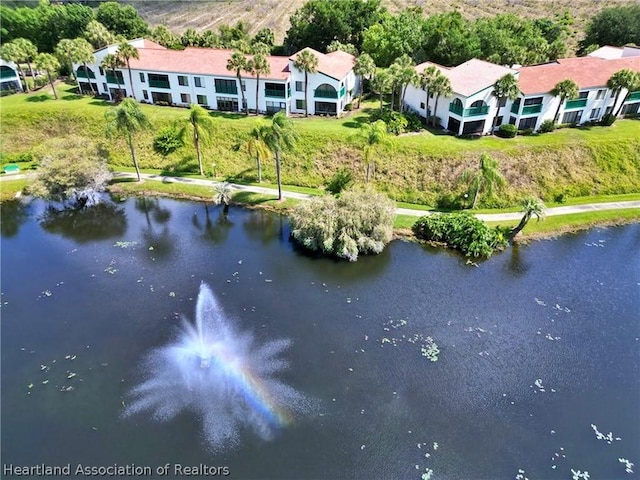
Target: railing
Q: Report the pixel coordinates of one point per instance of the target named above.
(8, 74)
(325, 94)
(270, 92)
(113, 79)
(232, 89)
(342, 90)
(468, 112)
(529, 109)
(581, 102)
(159, 84)
(515, 108)
(633, 96)
(80, 73)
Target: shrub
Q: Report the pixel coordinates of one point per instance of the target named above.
(461, 231)
(348, 107)
(526, 132)
(507, 131)
(355, 223)
(340, 181)
(547, 126)
(449, 201)
(608, 120)
(396, 121)
(414, 122)
(168, 140)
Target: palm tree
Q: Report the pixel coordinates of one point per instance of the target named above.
(530, 206)
(365, 67)
(394, 73)
(64, 52)
(483, 179)
(280, 137)
(307, 62)
(371, 134)
(201, 125)
(98, 34)
(256, 146)
(623, 79)
(11, 52)
(28, 52)
(51, 65)
(222, 195)
(426, 81)
(111, 62)
(258, 65)
(238, 63)
(381, 83)
(506, 87)
(126, 52)
(127, 119)
(405, 74)
(83, 53)
(564, 89)
(441, 87)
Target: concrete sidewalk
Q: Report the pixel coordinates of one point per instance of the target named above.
(488, 217)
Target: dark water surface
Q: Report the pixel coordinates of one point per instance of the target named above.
(564, 313)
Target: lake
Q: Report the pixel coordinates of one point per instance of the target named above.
(539, 347)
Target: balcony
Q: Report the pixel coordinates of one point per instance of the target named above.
(468, 112)
(113, 79)
(270, 92)
(579, 103)
(8, 74)
(230, 89)
(80, 73)
(342, 90)
(159, 84)
(325, 94)
(530, 109)
(633, 96)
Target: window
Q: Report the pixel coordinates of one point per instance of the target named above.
(595, 113)
(197, 81)
(502, 102)
(145, 94)
(608, 110)
(273, 107)
(183, 80)
(202, 99)
(159, 81)
(101, 70)
(572, 117)
(512, 120)
(300, 87)
(300, 104)
(421, 105)
(532, 101)
(613, 94)
(141, 77)
(582, 95)
(226, 86)
(528, 123)
(185, 98)
(600, 94)
(499, 121)
(244, 86)
(104, 87)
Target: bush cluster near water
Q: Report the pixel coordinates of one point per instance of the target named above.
(355, 223)
(461, 231)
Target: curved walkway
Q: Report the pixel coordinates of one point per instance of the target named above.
(492, 217)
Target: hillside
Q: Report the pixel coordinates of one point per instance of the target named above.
(274, 14)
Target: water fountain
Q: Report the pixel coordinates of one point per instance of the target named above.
(221, 375)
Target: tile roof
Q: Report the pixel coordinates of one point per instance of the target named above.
(587, 72)
(471, 76)
(335, 64)
(204, 61)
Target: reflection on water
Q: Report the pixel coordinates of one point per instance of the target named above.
(13, 214)
(536, 344)
(99, 222)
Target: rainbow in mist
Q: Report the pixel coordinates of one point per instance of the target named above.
(222, 376)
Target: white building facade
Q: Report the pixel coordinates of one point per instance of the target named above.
(200, 76)
(9, 78)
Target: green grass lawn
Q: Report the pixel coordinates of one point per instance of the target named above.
(9, 188)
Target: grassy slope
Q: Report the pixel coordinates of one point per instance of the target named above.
(413, 168)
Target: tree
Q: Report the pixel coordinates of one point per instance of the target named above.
(98, 34)
(256, 145)
(127, 119)
(27, 51)
(122, 20)
(64, 52)
(126, 52)
(371, 135)
(307, 62)
(405, 75)
(83, 53)
(616, 26)
(366, 68)
(426, 80)
(336, 45)
(165, 37)
(280, 137)
(449, 39)
(506, 87)
(623, 79)
(11, 52)
(222, 195)
(381, 83)
(483, 179)
(238, 63)
(258, 65)
(264, 36)
(111, 62)
(530, 206)
(49, 64)
(354, 223)
(200, 124)
(441, 87)
(563, 89)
